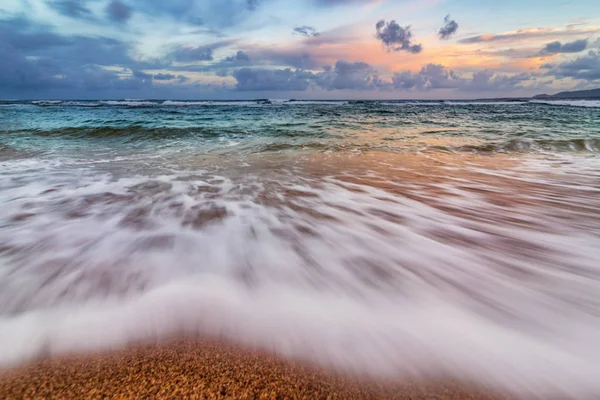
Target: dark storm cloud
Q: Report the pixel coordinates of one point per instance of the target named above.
(117, 11)
(305, 30)
(450, 27)
(570, 47)
(585, 68)
(71, 8)
(396, 38)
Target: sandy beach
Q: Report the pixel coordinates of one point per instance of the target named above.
(200, 369)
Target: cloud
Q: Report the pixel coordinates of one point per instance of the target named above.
(577, 22)
(39, 42)
(525, 34)
(164, 77)
(252, 5)
(141, 75)
(450, 27)
(71, 8)
(305, 30)
(170, 77)
(332, 3)
(37, 60)
(396, 38)
(215, 14)
(289, 57)
(570, 47)
(117, 11)
(584, 68)
(249, 79)
(199, 53)
(348, 75)
(240, 57)
(343, 75)
(435, 76)
(487, 80)
(431, 76)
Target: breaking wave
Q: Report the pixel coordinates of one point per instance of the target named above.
(486, 275)
(569, 103)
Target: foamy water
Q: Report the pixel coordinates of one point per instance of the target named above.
(570, 103)
(454, 239)
(483, 269)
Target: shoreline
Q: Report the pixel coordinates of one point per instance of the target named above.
(204, 368)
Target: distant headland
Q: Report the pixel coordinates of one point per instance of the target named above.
(578, 94)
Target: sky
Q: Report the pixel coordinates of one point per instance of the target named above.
(301, 49)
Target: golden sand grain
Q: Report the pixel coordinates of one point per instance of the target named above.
(200, 369)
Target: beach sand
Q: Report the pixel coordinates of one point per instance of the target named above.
(202, 369)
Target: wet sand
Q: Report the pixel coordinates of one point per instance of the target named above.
(202, 369)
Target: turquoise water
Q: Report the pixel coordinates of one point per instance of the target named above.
(251, 127)
(397, 239)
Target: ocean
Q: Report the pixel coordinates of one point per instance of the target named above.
(411, 239)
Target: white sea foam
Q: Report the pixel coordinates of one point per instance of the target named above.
(132, 103)
(342, 273)
(570, 103)
(412, 103)
(207, 103)
(47, 102)
(485, 103)
(454, 103)
(317, 102)
(82, 103)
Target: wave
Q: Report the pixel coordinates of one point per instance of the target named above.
(274, 140)
(135, 132)
(412, 103)
(389, 280)
(533, 145)
(81, 104)
(569, 103)
(271, 102)
(319, 102)
(453, 103)
(129, 103)
(47, 102)
(484, 103)
(206, 103)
